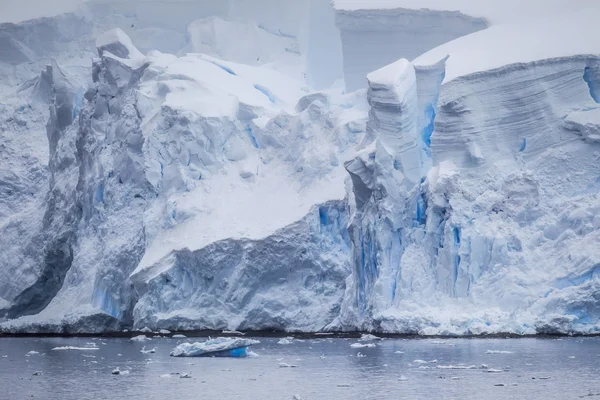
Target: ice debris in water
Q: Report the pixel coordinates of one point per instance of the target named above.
(226, 332)
(424, 362)
(498, 352)
(146, 330)
(402, 378)
(117, 371)
(185, 375)
(218, 347)
(367, 337)
(32, 352)
(286, 340)
(75, 348)
(140, 338)
(398, 352)
(164, 332)
(361, 346)
(456, 367)
(179, 335)
(286, 365)
(360, 355)
(143, 350)
(37, 373)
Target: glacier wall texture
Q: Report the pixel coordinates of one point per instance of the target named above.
(501, 230)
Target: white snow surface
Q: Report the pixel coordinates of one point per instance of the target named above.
(540, 38)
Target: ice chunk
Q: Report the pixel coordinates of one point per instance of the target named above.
(286, 340)
(233, 333)
(164, 332)
(140, 338)
(286, 365)
(498, 352)
(76, 348)
(218, 347)
(361, 345)
(367, 337)
(117, 371)
(143, 350)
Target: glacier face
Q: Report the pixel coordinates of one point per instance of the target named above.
(457, 195)
(501, 230)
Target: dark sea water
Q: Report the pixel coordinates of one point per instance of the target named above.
(326, 368)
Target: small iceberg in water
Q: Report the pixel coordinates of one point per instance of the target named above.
(218, 347)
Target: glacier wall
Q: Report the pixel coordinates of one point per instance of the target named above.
(194, 191)
(500, 232)
(374, 38)
(291, 280)
(136, 167)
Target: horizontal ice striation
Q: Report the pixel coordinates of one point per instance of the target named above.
(373, 38)
(532, 98)
(291, 280)
(504, 224)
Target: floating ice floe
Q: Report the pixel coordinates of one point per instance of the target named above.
(226, 332)
(360, 355)
(117, 371)
(456, 367)
(424, 362)
(31, 353)
(151, 351)
(286, 365)
(367, 337)
(146, 330)
(140, 338)
(362, 346)
(498, 352)
(178, 336)
(164, 332)
(402, 378)
(76, 348)
(286, 340)
(218, 347)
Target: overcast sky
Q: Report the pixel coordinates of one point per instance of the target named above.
(19, 10)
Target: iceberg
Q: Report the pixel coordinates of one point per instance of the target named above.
(218, 347)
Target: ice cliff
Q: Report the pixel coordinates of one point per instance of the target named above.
(500, 233)
(215, 188)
